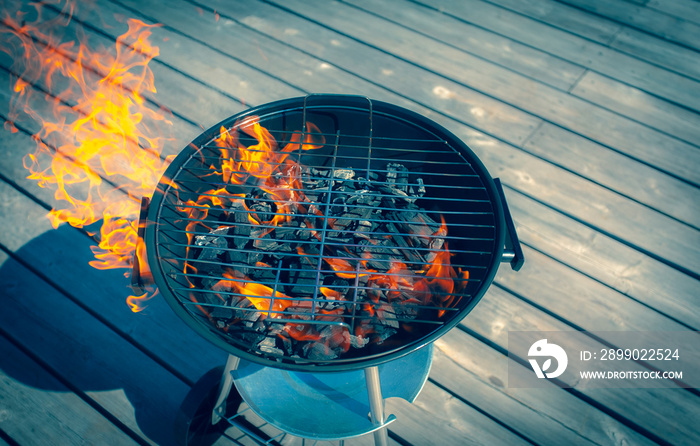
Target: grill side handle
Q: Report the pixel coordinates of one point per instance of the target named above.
(140, 274)
(512, 253)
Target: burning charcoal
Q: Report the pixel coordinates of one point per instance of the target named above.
(301, 283)
(212, 245)
(262, 210)
(358, 341)
(241, 230)
(249, 316)
(386, 334)
(269, 345)
(287, 232)
(343, 174)
(398, 174)
(364, 197)
(236, 256)
(409, 253)
(254, 257)
(221, 313)
(404, 310)
(215, 284)
(339, 205)
(262, 274)
(436, 244)
(380, 254)
(319, 352)
(336, 174)
(392, 193)
(272, 247)
(349, 220)
(419, 189)
(338, 240)
(286, 342)
(386, 316)
(251, 336)
(303, 234)
(363, 232)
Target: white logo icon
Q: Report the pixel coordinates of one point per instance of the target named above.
(542, 348)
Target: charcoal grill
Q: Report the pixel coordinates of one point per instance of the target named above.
(207, 212)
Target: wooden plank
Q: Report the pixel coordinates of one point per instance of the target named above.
(473, 107)
(91, 357)
(233, 39)
(546, 102)
(197, 60)
(169, 80)
(564, 17)
(635, 43)
(38, 409)
(463, 424)
(683, 9)
(675, 121)
(657, 51)
(666, 413)
(605, 259)
(626, 100)
(579, 300)
(545, 416)
(652, 21)
(561, 43)
(482, 43)
(637, 181)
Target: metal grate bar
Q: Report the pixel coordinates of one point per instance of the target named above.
(201, 182)
(319, 265)
(297, 255)
(302, 299)
(220, 223)
(311, 321)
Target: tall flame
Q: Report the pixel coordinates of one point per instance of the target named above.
(99, 145)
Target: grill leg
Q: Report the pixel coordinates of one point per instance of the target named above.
(224, 388)
(376, 405)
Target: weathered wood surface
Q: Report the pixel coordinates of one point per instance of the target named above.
(595, 138)
(653, 21)
(630, 41)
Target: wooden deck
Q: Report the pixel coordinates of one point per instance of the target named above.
(588, 111)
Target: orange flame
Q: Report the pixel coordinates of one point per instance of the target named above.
(259, 295)
(99, 146)
(340, 266)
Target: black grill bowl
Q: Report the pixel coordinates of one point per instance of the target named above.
(364, 135)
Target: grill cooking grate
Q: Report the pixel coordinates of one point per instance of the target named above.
(409, 171)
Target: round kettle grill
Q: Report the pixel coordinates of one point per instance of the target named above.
(325, 233)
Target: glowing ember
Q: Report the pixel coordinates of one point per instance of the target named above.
(99, 144)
